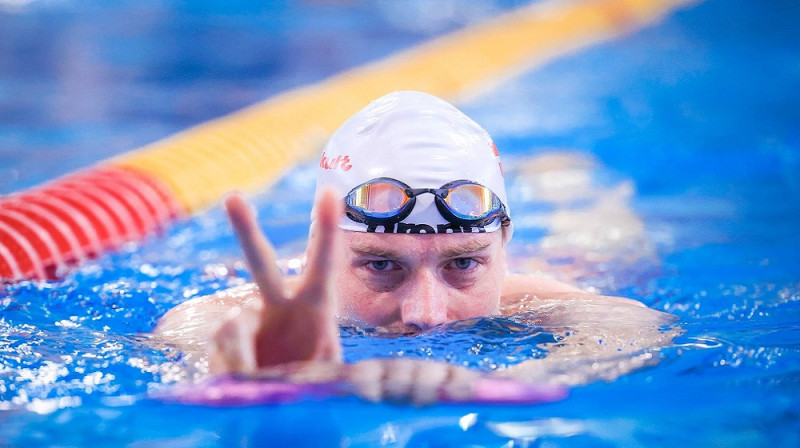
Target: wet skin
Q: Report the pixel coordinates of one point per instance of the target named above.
(404, 282)
(401, 282)
(415, 282)
(288, 328)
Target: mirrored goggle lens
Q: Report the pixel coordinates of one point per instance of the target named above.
(378, 199)
(471, 201)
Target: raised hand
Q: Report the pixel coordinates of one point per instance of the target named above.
(290, 326)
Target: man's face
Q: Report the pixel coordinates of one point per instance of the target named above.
(419, 281)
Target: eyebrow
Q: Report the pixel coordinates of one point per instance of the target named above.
(467, 248)
(451, 252)
(367, 250)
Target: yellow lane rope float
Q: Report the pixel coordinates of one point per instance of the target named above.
(130, 196)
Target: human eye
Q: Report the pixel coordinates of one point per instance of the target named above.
(381, 265)
(463, 264)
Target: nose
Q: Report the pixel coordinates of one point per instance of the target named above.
(425, 304)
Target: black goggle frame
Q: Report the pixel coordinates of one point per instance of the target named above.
(440, 194)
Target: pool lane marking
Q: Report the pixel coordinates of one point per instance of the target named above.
(251, 148)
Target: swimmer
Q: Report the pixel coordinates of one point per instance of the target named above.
(409, 230)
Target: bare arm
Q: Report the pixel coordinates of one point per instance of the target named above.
(515, 284)
(278, 323)
(521, 290)
(597, 337)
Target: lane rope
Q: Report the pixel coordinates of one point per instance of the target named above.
(140, 192)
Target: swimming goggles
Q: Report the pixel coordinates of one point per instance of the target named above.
(385, 201)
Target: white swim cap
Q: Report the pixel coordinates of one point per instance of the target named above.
(417, 139)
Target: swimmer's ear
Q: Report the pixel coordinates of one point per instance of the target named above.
(508, 232)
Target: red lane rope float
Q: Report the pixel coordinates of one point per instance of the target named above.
(77, 217)
(25, 261)
(57, 224)
(18, 225)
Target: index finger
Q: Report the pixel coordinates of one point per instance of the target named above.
(257, 250)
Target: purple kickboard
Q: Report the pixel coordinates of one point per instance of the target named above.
(234, 391)
(230, 391)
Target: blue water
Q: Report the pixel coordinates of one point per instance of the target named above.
(699, 114)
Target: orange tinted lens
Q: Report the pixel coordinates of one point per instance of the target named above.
(471, 201)
(379, 197)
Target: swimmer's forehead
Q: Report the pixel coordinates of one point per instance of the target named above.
(391, 245)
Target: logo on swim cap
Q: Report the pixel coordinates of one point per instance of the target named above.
(497, 154)
(420, 140)
(339, 163)
(404, 227)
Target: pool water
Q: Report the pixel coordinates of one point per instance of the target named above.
(661, 166)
